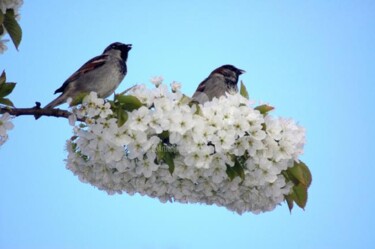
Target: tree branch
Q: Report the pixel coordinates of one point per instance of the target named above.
(35, 111)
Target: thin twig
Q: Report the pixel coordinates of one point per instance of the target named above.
(127, 90)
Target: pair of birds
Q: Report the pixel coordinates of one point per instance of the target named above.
(102, 74)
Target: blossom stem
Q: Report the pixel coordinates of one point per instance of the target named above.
(127, 90)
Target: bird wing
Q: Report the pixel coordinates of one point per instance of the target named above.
(87, 67)
(212, 86)
(202, 86)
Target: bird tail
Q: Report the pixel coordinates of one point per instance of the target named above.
(58, 101)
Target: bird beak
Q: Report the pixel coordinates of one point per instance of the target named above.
(240, 71)
(129, 46)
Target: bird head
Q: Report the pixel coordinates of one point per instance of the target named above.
(118, 48)
(230, 73)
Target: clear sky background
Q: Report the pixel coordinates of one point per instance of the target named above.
(313, 60)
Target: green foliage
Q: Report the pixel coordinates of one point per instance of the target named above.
(168, 158)
(128, 102)
(301, 173)
(300, 176)
(299, 195)
(185, 100)
(264, 109)
(6, 101)
(236, 170)
(75, 149)
(122, 104)
(165, 153)
(10, 24)
(6, 88)
(122, 117)
(164, 135)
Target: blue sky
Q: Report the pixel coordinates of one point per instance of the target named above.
(312, 60)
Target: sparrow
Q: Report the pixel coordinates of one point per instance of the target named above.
(223, 79)
(102, 74)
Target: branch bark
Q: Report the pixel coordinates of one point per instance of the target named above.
(35, 111)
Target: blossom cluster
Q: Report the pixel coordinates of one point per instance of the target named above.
(4, 5)
(205, 144)
(5, 125)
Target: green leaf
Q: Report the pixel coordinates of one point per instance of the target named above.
(300, 176)
(264, 109)
(235, 170)
(165, 154)
(6, 89)
(122, 117)
(79, 98)
(164, 135)
(3, 77)
(301, 173)
(299, 195)
(231, 172)
(74, 146)
(11, 25)
(198, 110)
(129, 102)
(6, 102)
(238, 168)
(1, 19)
(243, 91)
(289, 201)
(168, 158)
(159, 152)
(185, 100)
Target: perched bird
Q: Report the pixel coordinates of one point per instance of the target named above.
(102, 74)
(223, 79)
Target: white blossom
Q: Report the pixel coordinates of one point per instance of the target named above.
(205, 143)
(145, 95)
(157, 80)
(3, 46)
(140, 119)
(176, 86)
(5, 126)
